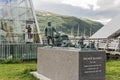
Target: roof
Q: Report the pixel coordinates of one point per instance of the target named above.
(111, 30)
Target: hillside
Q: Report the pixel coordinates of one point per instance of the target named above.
(67, 23)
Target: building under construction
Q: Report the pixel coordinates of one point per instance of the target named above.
(19, 30)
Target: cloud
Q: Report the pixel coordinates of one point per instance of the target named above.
(108, 4)
(85, 4)
(108, 9)
(100, 10)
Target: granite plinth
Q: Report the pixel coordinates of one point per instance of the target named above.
(70, 64)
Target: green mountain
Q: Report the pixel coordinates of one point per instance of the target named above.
(67, 23)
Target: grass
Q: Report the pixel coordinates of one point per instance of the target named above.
(17, 71)
(113, 70)
(21, 71)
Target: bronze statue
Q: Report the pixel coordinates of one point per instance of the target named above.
(49, 33)
(92, 45)
(81, 44)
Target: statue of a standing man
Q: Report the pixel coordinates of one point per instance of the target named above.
(49, 33)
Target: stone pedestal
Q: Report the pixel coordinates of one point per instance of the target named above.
(71, 64)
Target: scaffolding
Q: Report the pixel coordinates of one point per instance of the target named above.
(18, 27)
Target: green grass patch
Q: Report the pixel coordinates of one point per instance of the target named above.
(16, 71)
(113, 70)
(21, 71)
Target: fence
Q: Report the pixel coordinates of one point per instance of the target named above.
(18, 51)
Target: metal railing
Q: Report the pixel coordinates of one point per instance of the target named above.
(19, 51)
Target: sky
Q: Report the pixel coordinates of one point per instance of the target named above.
(98, 10)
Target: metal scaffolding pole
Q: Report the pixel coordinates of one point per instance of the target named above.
(34, 14)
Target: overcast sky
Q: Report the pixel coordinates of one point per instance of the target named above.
(100, 10)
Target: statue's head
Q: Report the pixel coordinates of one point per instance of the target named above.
(49, 23)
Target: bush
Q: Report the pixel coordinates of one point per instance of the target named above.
(10, 61)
